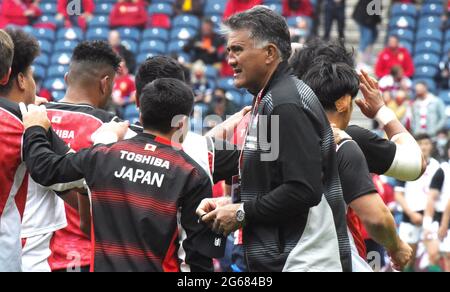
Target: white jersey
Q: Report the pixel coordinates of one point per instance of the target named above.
(200, 149)
(444, 197)
(416, 192)
(44, 211)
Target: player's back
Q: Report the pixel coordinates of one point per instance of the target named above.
(144, 193)
(75, 124)
(13, 185)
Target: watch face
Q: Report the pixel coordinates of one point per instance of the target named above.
(240, 216)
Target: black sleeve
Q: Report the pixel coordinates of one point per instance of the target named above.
(437, 182)
(201, 244)
(300, 166)
(47, 167)
(57, 144)
(354, 173)
(379, 152)
(226, 160)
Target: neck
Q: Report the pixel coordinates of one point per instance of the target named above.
(79, 96)
(266, 79)
(167, 136)
(15, 96)
(334, 118)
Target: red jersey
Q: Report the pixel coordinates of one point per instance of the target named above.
(75, 124)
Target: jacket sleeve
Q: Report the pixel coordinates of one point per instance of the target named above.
(48, 168)
(300, 165)
(200, 244)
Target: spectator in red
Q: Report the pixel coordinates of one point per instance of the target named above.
(297, 8)
(129, 13)
(19, 12)
(394, 55)
(87, 13)
(235, 6)
(124, 86)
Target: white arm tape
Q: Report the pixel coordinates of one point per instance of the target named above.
(407, 164)
(104, 138)
(110, 137)
(384, 116)
(80, 184)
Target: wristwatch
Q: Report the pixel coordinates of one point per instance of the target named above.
(240, 214)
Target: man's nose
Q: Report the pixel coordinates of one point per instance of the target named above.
(232, 61)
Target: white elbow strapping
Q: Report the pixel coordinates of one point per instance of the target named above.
(407, 164)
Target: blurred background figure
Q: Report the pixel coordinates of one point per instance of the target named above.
(335, 11)
(368, 30)
(19, 12)
(393, 54)
(128, 56)
(82, 21)
(129, 13)
(207, 46)
(428, 113)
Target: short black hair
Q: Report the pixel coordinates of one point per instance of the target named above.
(26, 49)
(6, 53)
(331, 81)
(330, 51)
(422, 136)
(157, 67)
(264, 25)
(96, 53)
(162, 100)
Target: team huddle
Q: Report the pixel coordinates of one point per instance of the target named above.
(82, 190)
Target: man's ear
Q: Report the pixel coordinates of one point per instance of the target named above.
(272, 53)
(21, 81)
(66, 78)
(104, 82)
(343, 103)
(5, 78)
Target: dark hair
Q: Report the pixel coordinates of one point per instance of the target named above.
(157, 67)
(264, 25)
(331, 51)
(26, 49)
(331, 81)
(96, 53)
(422, 136)
(162, 100)
(6, 53)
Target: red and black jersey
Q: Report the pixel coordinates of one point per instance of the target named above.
(14, 182)
(144, 194)
(75, 124)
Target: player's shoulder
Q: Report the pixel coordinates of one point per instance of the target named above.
(100, 114)
(350, 152)
(11, 108)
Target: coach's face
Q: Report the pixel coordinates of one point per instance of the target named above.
(249, 63)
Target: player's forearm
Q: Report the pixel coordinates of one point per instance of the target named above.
(382, 229)
(46, 167)
(431, 200)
